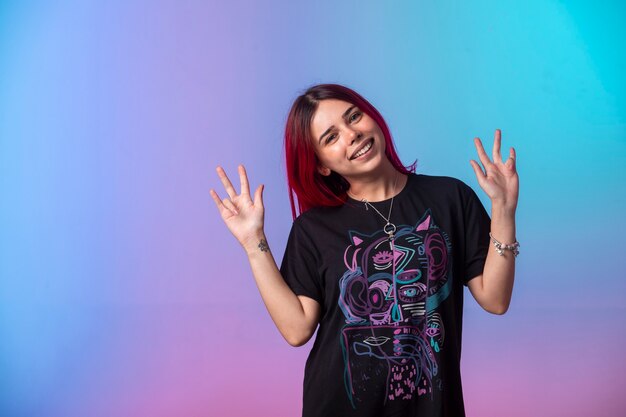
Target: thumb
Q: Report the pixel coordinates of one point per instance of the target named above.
(477, 170)
(258, 195)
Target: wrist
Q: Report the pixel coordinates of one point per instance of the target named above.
(256, 243)
(502, 210)
(501, 246)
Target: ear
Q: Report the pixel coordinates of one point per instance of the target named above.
(323, 170)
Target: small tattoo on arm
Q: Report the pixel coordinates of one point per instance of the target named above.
(263, 246)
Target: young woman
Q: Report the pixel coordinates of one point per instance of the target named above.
(376, 260)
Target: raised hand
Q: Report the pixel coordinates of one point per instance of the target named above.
(243, 216)
(499, 179)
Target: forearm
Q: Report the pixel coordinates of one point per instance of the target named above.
(499, 270)
(281, 302)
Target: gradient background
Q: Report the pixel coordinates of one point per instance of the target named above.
(122, 293)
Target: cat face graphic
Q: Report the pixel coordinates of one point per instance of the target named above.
(389, 295)
(388, 284)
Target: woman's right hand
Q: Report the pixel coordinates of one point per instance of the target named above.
(243, 216)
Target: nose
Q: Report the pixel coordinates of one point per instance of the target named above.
(353, 135)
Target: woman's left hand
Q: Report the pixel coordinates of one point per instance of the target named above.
(499, 179)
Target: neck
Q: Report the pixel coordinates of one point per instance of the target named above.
(378, 187)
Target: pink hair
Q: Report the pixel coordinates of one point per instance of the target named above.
(312, 188)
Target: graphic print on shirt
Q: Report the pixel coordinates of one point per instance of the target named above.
(394, 334)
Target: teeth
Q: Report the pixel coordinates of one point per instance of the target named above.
(362, 151)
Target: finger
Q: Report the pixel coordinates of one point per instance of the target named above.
(482, 155)
(511, 161)
(227, 184)
(218, 202)
(229, 204)
(477, 170)
(243, 178)
(258, 196)
(497, 141)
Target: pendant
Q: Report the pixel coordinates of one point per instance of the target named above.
(390, 229)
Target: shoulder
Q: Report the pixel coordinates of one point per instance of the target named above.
(310, 230)
(314, 217)
(441, 184)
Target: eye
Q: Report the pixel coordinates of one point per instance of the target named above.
(329, 138)
(355, 116)
(433, 331)
(382, 257)
(409, 292)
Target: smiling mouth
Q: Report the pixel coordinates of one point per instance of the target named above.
(368, 144)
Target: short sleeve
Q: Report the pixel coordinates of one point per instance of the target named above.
(299, 266)
(477, 225)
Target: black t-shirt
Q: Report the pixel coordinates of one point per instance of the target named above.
(389, 338)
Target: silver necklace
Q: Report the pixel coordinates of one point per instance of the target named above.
(389, 227)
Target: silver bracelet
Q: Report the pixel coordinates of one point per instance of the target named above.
(501, 247)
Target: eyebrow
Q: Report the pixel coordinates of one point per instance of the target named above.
(344, 115)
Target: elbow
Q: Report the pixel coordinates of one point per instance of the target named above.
(495, 305)
(498, 310)
(297, 340)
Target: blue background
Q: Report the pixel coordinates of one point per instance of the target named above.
(122, 293)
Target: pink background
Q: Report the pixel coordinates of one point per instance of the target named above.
(123, 294)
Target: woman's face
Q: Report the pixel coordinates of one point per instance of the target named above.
(346, 140)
